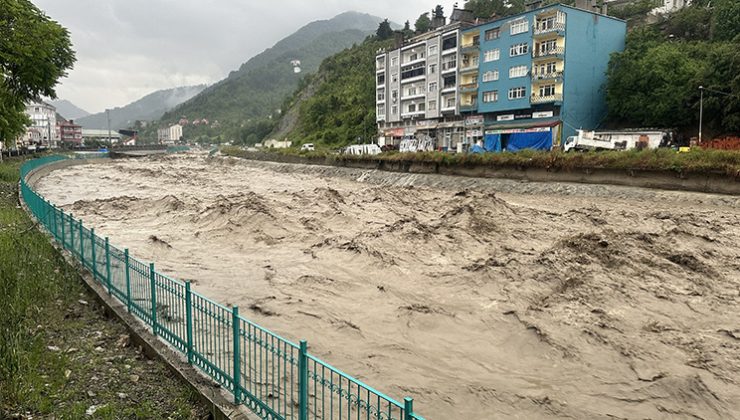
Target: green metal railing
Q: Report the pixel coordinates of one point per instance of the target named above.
(275, 377)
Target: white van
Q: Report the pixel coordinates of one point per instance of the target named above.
(308, 146)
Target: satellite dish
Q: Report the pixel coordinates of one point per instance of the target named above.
(296, 66)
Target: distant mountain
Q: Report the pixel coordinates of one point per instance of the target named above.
(68, 110)
(149, 108)
(261, 84)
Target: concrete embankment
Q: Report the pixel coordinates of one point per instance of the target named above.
(719, 183)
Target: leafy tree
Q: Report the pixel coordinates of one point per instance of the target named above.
(423, 23)
(384, 30)
(439, 12)
(691, 23)
(407, 32)
(487, 8)
(35, 52)
(727, 20)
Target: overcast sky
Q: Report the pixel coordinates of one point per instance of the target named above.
(129, 48)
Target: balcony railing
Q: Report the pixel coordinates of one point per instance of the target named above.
(470, 65)
(468, 86)
(557, 27)
(469, 45)
(539, 99)
(468, 106)
(547, 76)
(548, 52)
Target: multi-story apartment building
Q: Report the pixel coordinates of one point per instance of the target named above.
(70, 133)
(527, 80)
(416, 86)
(43, 122)
(170, 135)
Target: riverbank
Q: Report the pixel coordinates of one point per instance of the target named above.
(712, 171)
(60, 355)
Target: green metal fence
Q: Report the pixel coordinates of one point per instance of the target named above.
(275, 377)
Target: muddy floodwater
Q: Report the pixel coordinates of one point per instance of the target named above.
(482, 299)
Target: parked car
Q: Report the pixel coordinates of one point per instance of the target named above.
(308, 147)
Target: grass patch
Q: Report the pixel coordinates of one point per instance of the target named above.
(695, 161)
(59, 354)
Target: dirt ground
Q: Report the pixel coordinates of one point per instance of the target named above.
(479, 298)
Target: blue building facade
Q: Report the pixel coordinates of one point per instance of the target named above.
(532, 79)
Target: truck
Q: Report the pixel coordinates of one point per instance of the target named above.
(616, 140)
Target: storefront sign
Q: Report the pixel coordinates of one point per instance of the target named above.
(474, 120)
(507, 117)
(522, 116)
(542, 114)
(474, 133)
(519, 130)
(396, 132)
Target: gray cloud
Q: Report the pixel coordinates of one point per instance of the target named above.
(129, 48)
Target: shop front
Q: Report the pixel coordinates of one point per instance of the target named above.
(513, 136)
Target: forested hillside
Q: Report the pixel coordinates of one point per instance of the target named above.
(247, 99)
(655, 81)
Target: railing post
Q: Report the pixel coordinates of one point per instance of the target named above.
(303, 381)
(92, 253)
(128, 280)
(64, 241)
(237, 363)
(189, 318)
(71, 233)
(408, 408)
(82, 246)
(153, 287)
(107, 265)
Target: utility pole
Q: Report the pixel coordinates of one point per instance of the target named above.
(110, 142)
(701, 109)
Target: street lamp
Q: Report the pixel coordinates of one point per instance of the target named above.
(701, 109)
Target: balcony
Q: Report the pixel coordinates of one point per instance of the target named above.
(549, 52)
(537, 99)
(470, 46)
(467, 87)
(449, 66)
(546, 29)
(547, 76)
(468, 106)
(469, 66)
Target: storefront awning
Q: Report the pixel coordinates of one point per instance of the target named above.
(520, 127)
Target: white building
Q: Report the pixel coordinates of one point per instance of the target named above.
(670, 6)
(44, 122)
(90, 135)
(170, 135)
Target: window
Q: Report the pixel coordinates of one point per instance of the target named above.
(490, 76)
(413, 57)
(432, 68)
(433, 87)
(432, 106)
(451, 64)
(548, 47)
(381, 110)
(494, 33)
(432, 49)
(421, 106)
(412, 71)
(547, 90)
(394, 110)
(547, 68)
(449, 81)
(449, 43)
(491, 55)
(518, 49)
(381, 95)
(519, 26)
(412, 107)
(381, 79)
(517, 71)
(546, 23)
(394, 61)
(411, 91)
(490, 96)
(450, 102)
(517, 93)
